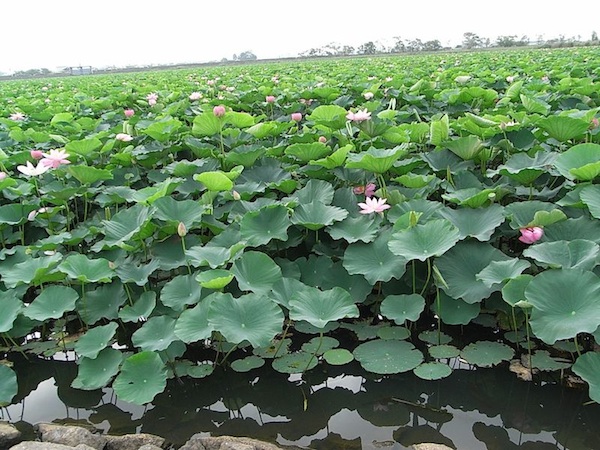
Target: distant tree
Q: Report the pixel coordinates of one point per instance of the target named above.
(506, 41)
(471, 40)
(414, 45)
(368, 48)
(347, 50)
(594, 36)
(432, 46)
(246, 56)
(398, 46)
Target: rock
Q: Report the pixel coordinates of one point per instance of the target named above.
(431, 447)
(9, 435)
(133, 441)
(36, 445)
(199, 442)
(149, 447)
(70, 435)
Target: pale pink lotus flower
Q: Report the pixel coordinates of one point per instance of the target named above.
(152, 98)
(55, 158)
(530, 235)
(129, 113)
(297, 117)
(219, 111)
(595, 123)
(368, 95)
(270, 99)
(124, 137)
(47, 100)
(33, 171)
(322, 139)
(211, 82)
(369, 189)
(373, 205)
(359, 116)
(195, 96)
(36, 154)
(3, 175)
(34, 213)
(44, 88)
(510, 79)
(18, 116)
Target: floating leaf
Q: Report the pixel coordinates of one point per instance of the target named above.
(397, 333)
(142, 377)
(296, 362)
(542, 360)
(319, 307)
(401, 308)
(443, 351)
(200, 371)
(96, 373)
(338, 356)
(423, 241)
(319, 345)
(387, 357)
(486, 353)
(156, 334)
(432, 371)
(247, 364)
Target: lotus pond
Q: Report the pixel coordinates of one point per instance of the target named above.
(307, 217)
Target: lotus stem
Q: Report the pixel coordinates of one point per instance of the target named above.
(577, 346)
(514, 318)
(287, 327)
(428, 277)
(315, 353)
(528, 337)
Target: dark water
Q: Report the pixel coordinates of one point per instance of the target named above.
(345, 408)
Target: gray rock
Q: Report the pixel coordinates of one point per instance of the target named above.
(431, 447)
(36, 445)
(70, 435)
(83, 447)
(9, 435)
(149, 447)
(133, 441)
(199, 442)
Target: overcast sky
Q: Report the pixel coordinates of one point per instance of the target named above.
(55, 33)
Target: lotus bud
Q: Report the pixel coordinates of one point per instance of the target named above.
(236, 195)
(219, 111)
(181, 229)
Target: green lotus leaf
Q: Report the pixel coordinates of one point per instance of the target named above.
(356, 285)
(319, 307)
(396, 333)
(426, 209)
(84, 147)
(336, 159)
(192, 325)
(162, 129)
(376, 160)
(142, 377)
(513, 292)
(95, 340)
(524, 169)
(89, 175)
(200, 371)
(256, 272)
(102, 303)
(315, 191)
(578, 253)
(580, 162)
(319, 345)
(535, 105)
(414, 180)
(563, 128)
(496, 272)
(296, 362)
(486, 353)
(214, 279)
(338, 356)
(149, 194)
(314, 270)
(125, 225)
(265, 129)
(270, 222)
(364, 330)
(141, 309)
(542, 360)
(331, 116)
(96, 373)
(15, 214)
(571, 229)
(479, 223)
(403, 307)
(587, 367)
(130, 272)
(590, 195)
(472, 197)
(8, 385)
(247, 364)
(454, 311)
(374, 261)
(81, 268)
(181, 291)
(565, 303)
(214, 181)
(284, 289)
(188, 212)
(305, 152)
(354, 229)
(10, 307)
(432, 371)
(32, 271)
(156, 334)
(252, 317)
(206, 124)
(459, 268)
(212, 256)
(387, 357)
(467, 147)
(52, 303)
(317, 215)
(276, 348)
(443, 351)
(439, 130)
(245, 155)
(422, 241)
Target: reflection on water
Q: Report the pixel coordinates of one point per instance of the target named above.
(346, 408)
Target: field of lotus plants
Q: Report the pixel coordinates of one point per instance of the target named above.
(377, 211)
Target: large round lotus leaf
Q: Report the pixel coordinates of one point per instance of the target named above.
(8, 385)
(523, 214)
(578, 253)
(443, 351)
(308, 151)
(247, 364)
(563, 128)
(422, 241)
(397, 333)
(274, 349)
(454, 311)
(317, 215)
(315, 191)
(96, 373)
(156, 334)
(432, 371)
(215, 279)
(331, 116)
(212, 256)
(95, 340)
(374, 261)
(434, 337)
(319, 345)
(174, 211)
(284, 289)
(102, 303)
(314, 270)
(352, 229)
(338, 356)
(214, 181)
(479, 223)
(142, 377)
(254, 318)
(403, 307)
(192, 325)
(297, 362)
(460, 265)
(587, 367)
(486, 353)
(571, 229)
(307, 328)
(32, 271)
(319, 307)
(52, 303)
(513, 292)
(259, 227)
(426, 208)
(200, 370)
(386, 357)
(375, 160)
(525, 169)
(467, 147)
(130, 272)
(542, 360)
(10, 307)
(497, 272)
(590, 195)
(580, 162)
(141, 309)
(356, 285)
(180, 291)
(81, 268)
(256, 272)
(565, 303)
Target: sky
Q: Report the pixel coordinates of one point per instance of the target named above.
(99, 33)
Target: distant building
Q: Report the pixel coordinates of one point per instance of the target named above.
(80, 70)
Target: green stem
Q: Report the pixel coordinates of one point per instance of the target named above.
(229, 353)
(17, 346)
(287, 327)
(439, 310)
(528, 337)
(187, 263)
(514, 318)
(428, 277)
(315, 353)
(414, 276)
(577, 346)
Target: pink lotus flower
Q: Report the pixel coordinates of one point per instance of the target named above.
(18, 116)
(129, 113)
(373, 205)
(359, 116)
(152, 98)
(33, 171)
(195, 96)
(368, 189)
(211, 82)
(55, 158)
(36, 154)
(297, 117)
(368, 95)
(530, 235)
(3, 175)
(270, 99)
(595, 123)
(219, 111)
(322, 139)
(123, 137)
(32, 214)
